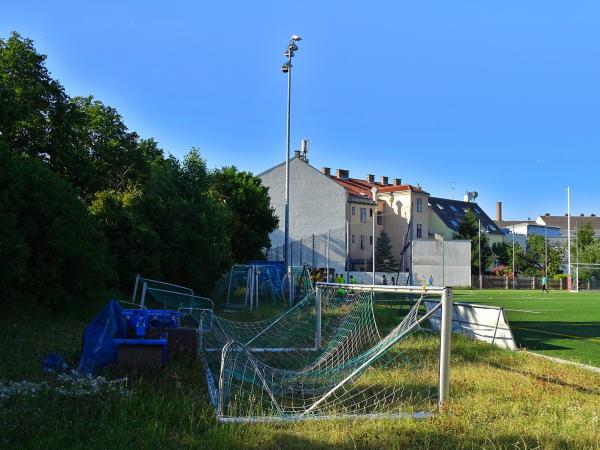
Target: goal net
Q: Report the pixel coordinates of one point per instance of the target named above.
(334, 354)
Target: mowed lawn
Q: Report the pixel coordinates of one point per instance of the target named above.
(560, 324)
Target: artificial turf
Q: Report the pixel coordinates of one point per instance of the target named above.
(559, 324)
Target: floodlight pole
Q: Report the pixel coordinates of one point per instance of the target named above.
(287, 68)
(569, 279)
(374, 192)
(479, 252)
(546, 251)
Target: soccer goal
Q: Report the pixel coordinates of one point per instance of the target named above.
(329, 356)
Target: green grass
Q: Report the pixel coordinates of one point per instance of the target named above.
(499, 399)
(560, 324)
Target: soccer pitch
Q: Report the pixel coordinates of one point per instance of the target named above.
(560, 324)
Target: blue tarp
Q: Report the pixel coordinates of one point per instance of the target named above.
(98, 348)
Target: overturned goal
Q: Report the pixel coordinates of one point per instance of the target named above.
(328, 357)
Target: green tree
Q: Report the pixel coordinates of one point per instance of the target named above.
(585, 235)
(252, 217)
(384, 259)
(50, 250)
(468, 229)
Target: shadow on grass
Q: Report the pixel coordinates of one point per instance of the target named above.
(535, 335)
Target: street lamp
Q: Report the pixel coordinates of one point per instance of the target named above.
(374, 192)
(287, 68)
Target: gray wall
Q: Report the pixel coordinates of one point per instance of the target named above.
(317, 204)
(455, 270)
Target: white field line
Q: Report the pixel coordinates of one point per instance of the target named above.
(565, 361)
(523, 310)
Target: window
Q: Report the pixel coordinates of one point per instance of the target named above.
(419, 231)
(454, 222)
(370, 212)
(439, 206)
(362, 240)
(363, 215)
(379, 218)
(371, 240)
(453, 208)
(353, 239)
(353, 211)
(419, 205)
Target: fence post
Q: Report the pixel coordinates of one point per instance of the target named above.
(327, 253)
(137, 279)
(143, 300)
(533, 283)
(313, 250)
(300, 252)
(318, 320)
(506, 282)
(446, 336)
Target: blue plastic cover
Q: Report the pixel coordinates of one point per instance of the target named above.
(54, 363)
(98, 348)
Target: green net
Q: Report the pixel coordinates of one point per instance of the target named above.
(249, 287)
(324, 357)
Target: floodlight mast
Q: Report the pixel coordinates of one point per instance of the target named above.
(374, 192)
(287, 68)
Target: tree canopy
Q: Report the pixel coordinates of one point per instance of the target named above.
(87, 203)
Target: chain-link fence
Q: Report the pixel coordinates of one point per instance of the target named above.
(323, 250)
(508, 282)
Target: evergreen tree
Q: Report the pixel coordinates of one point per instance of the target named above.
(468, 229)
(384, 259)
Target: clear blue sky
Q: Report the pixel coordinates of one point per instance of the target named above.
(498, 97)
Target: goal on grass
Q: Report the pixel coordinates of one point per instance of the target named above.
(326, 357)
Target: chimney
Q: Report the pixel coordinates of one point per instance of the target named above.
(581, 215)
(371, 178)
(384, 180)
(547, 214)
(326, 171)
(397, 181)
(592, 215)
(499, 211)
(343, 173)
(566, 214)
(297, 154)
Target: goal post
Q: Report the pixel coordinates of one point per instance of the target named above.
(445, 294)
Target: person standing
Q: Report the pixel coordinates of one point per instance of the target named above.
(545, 284)
(430, 281)
(384, 280)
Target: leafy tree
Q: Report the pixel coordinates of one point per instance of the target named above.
(50, 250)
(384, 259)
(585, 236)
(252, 217)
(468, 229)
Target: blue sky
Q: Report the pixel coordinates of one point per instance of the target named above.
(498, 97)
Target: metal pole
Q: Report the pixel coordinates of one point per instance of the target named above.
(313, 250)
(137, 280)
(569, 279)
(318, 320)
(143, 300)
(513, 258)
(443, 262)
(446, 336)
(576, 256)
(479, 250)
(301, 263)
(327, 253)
(373, 268)
(287, 166)
(546, 251)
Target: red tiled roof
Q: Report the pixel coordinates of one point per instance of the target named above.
(362, 188)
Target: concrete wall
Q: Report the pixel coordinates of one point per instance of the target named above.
(449, 262)
(317, 204)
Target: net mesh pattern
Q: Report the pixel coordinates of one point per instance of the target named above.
(324, 357)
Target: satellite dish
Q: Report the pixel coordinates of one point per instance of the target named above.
(475, 194)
